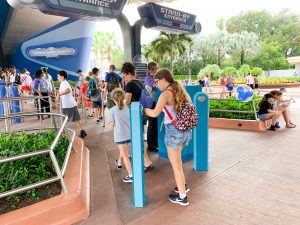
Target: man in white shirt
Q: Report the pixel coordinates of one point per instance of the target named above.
(250, 80)
(69, 105)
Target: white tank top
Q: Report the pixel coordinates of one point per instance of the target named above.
(171, 110)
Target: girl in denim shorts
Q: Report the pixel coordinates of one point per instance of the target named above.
(172, 96)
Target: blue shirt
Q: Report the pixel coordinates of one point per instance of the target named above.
(108, 75)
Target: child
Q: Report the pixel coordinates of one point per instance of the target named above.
(282, 106)
(266, 111)
(119, 117)
(84, 96)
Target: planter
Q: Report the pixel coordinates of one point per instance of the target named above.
(250, 125)
(64, 208)
(286, 85)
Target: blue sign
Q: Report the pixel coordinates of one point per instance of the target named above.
(79, 9)
(168, 19)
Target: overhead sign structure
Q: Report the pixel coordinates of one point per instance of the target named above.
(78, 9)
(167, 19)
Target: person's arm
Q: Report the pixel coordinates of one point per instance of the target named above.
(162, 101)
(128, 98)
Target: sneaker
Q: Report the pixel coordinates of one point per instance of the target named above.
(119, 166)
(97, 121)
(82, 134)
(100, 117)
(176, 199)
(127, 179)
(187, 189)
(272, 128)
(277, 125)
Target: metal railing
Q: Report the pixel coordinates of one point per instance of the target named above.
(59, 172)
(253, 101)
(10, 102)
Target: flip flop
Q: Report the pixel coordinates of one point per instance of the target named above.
(293, 126)
(292, 123)
(148, 168)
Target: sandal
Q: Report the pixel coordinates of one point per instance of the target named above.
(148, 168)
(292, 123)
(293, 126)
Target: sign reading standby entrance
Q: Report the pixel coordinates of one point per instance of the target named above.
(51, 52)
(166, 16)
(112, 4)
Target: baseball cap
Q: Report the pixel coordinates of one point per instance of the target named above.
(282, 89)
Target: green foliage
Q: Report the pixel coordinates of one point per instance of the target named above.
(72, 83)
(213, 71)
(244, 69)
(233, 105)
(183, 77)
(229, 70)
(31, 170)
(256, 71)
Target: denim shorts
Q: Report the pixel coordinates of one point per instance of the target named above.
(123, 142)
(175, 138)
(262, 117)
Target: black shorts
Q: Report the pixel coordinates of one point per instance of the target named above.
(97, 104)
(72, 113)
(255, 86)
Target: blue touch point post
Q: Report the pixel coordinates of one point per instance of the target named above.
(137, 149)
(200, 134)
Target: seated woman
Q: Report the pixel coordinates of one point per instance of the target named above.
(282, 106)
(266, 111)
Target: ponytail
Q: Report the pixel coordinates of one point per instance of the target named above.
(118, 96)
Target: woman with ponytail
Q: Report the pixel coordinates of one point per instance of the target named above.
(119, 117)
(171, 99)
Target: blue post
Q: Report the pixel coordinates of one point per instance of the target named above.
(137, 150)
(2, 95)
(200, 134)
(188, 151)
(15, 105)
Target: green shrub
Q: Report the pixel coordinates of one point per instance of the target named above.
(213, 71)
(230, 70)
(233, 105)
(31, 170)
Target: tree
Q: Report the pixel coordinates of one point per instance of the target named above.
(230, 70)
(244, 43)
(213, 71)
(103, 45)
(256, 71)
(171, 45)
(244, 69)
(203, 49)
(220, 44)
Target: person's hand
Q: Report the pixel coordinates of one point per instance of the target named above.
(57, 98)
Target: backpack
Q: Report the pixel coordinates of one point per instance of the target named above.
(186, 118)
(91, 89)
(145, 98)
(113, 83)
(43, 85)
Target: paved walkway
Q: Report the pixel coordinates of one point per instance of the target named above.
(253, 178)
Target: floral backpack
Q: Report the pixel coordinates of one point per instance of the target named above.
(186, 118)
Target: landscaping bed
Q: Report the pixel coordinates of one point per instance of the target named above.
(233, 105)
(31, 170)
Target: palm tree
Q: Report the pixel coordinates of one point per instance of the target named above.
(171, 45)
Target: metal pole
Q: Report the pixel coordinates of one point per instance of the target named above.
(5, 109)
(40, 109)
(102, 105)
(254, 108)
(58, 172)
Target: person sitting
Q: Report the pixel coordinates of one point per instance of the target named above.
(266, 111)
(282, 106)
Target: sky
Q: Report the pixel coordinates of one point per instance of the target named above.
(207, 13)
